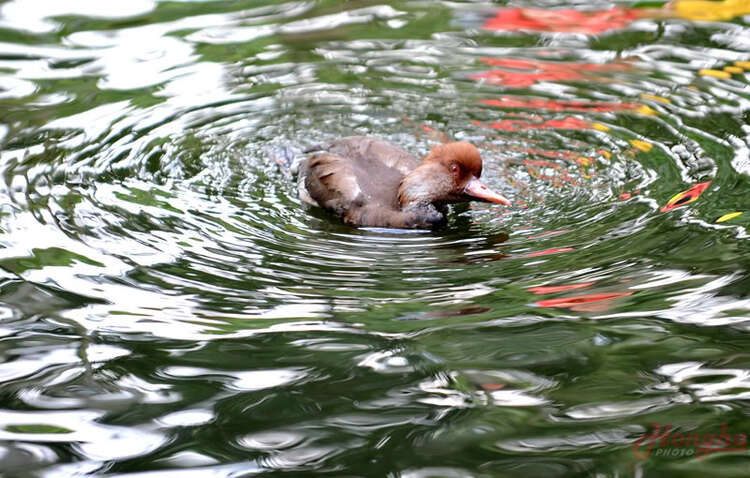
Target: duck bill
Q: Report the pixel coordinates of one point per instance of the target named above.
(477, 190)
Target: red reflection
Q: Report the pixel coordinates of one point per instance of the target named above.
(434, 134)
(686, 197)
(564, 20)
(541, 162)
(492, 386)
(565, 302)
(535, 71)
(559, 105)
(549, 251)
(546, 153)
(549, 233)
(559, 175)
(578, 158)
(551, 289)
(626, 196)
(515, 125)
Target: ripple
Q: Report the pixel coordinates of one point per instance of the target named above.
(41, 357)
(271, 441)
(708, 384)
(243, 380)
(169, 306)
(15, 88)
(18, 457)
(187, 418)
(35, 16)
(569, 442)
(94, 441)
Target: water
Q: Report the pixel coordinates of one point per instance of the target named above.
(169, 304)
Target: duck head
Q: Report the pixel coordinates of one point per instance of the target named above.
(449, 174)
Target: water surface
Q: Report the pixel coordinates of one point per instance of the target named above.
(170, 305)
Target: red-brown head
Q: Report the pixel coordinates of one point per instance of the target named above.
(449, 174)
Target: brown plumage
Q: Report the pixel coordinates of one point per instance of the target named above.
(369, 182)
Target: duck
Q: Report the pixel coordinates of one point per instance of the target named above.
(368, 182)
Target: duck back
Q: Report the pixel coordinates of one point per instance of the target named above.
(355, 176)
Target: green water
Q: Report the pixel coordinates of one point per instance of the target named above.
(168, 305)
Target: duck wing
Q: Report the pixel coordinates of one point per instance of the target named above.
(374, 153)
(355, 172)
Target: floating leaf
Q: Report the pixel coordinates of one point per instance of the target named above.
(686, 197)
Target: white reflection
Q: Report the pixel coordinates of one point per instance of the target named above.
(220, 35)
(503, 388)
(328, 22)
(741, 159)
(11, 87)
(35, 361)
(188, 459)
(241, 380)
(261, 379)
(31, 455)
(702, 304)
(34, 15)
(709, 384)
(578, 441)
(385, 362)
(80, 429)
(186, 418)
(435, 471)
(95, 121)
(301, 456)
(271, 440)
(618, 409)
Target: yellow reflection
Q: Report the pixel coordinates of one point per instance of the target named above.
(600, 127)
(729, 216)
(707, 11)
(646, 110)
(715, 73)
(647, 96)
(642, 145)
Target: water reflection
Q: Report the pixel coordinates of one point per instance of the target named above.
(170, 306)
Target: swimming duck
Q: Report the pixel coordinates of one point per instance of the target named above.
(370, 182)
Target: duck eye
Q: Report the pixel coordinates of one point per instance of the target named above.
(454, 168)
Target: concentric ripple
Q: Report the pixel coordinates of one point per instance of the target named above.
(168, 304)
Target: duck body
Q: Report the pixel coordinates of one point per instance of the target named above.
(370, 182)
